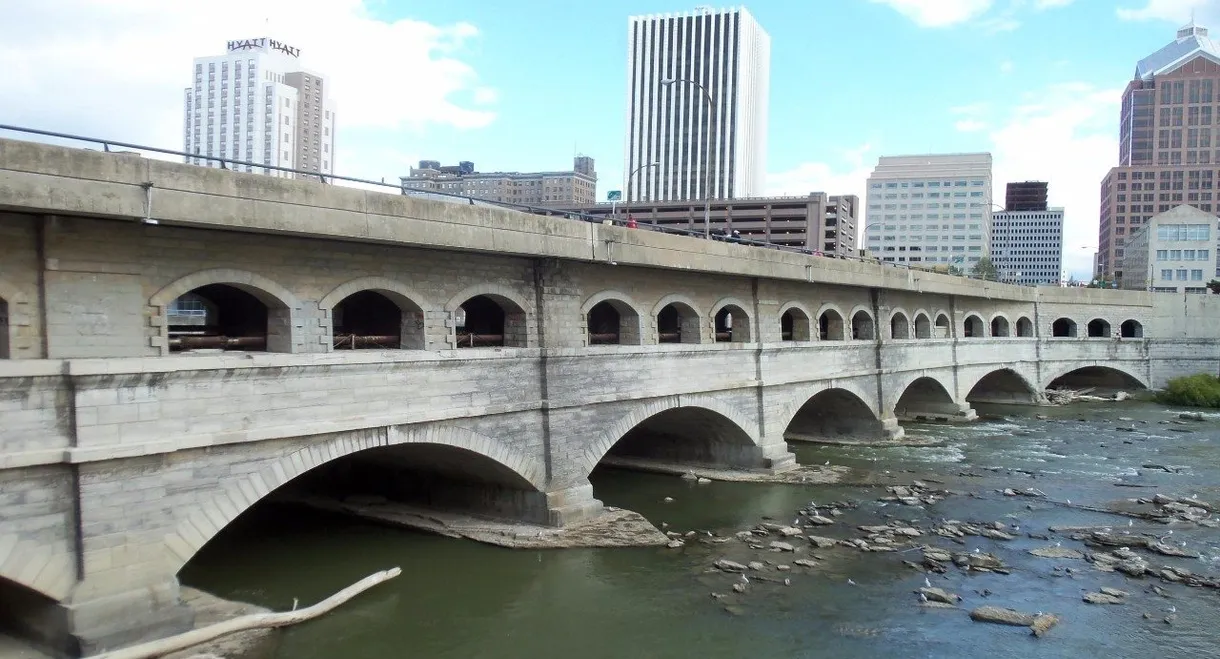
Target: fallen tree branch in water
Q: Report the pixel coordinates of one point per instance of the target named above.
(244, 623)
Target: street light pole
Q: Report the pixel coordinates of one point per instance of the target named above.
(631, 177)
(707, 151)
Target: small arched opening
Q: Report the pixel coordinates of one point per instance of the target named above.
(1098, 377)
(1099, 329)
(489, 320)
(33, 617)
(228, 317)
(678, 322)
(732, 325)
(690, 435)
(923, 327)
(900, 327)
(834, 414)
(1003, 387)
(1025, 327)
(1131, 329)
(926, 399)
(373, 320)
(999, 326)
(830, 326)
(794, 325)
(612, 322)
(862, 326)
(942, 326)
(1063, 328)
(4, 330)
(973, 327)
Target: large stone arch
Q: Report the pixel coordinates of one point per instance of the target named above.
(747, 313)
(805, 394)
(1013, 384)
(199, 526)
(414, 307)
(638, 415)
(1113, 367)
(37, 567)
(833, 417)
(631, 321)
(911, 400)
(14, 340)
(283, 308)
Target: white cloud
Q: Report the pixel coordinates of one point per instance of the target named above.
(969, 125)
(1006, 66)
(117, 68)
(938, 13)
(1051, 4)
(824, 177)
(1062, 134)
(1174, 11)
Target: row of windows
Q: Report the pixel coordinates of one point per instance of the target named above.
(1195, 275)
(932, 195)
(1183, 232)
(931, 184)
(1183, 255)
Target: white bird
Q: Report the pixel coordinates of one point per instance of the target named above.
(976, 550)
(1058, 544)
(927, 583)
(850, 582)
(1172, 609)
(1130, 522)
(745, 579)
(1069, 501)
(923, 598)
(827, 463)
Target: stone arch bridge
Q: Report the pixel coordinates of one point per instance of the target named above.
(177, 343)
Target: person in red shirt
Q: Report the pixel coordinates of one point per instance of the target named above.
(631, 223)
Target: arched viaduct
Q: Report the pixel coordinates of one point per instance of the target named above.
(159, 379)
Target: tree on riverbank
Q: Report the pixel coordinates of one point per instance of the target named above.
(1199, 390)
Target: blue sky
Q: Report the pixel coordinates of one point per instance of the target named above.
(524, 85)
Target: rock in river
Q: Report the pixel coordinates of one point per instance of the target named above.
(822, 542)
(1002, 616)
(725, 565)
(1103, 598)
(1056, 552)
(939, 595)
(781, 546)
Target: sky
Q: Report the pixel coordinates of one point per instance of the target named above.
(525, 85)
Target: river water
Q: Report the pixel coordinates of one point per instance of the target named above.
(457, 598)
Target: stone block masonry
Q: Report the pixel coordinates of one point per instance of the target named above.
(120, 457)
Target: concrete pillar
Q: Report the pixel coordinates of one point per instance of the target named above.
(105, 613)
(572, 505)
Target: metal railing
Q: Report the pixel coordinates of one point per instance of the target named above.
(229, 163)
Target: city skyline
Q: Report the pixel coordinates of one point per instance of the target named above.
(459, 89)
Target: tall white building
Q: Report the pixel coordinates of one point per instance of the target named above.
(257, 104)
(930, 209)
(670, 122)
(1027, 246)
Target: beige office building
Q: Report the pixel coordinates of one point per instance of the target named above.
(1173, 252)
(1169, 144)
(573, 188)
(816, 222)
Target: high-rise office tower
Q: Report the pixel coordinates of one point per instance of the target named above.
(695, 79)
(930, 210)
(1169, 143)
(256, 103)
(1027, 237)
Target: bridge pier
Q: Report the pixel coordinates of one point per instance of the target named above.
(938, 412)
(108, 614)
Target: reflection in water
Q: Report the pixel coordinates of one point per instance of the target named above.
(461, 599)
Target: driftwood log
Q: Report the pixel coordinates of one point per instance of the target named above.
(195, 637)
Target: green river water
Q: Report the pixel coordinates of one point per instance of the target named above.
(460, 599)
